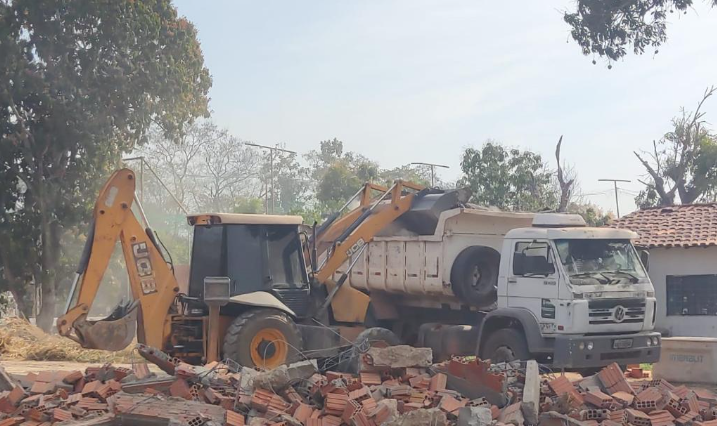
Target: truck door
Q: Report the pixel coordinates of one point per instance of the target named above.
(533, 283)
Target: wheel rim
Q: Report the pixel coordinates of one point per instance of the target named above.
(476, 275)
(269, 348)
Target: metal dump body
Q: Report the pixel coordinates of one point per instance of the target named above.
(399, 261)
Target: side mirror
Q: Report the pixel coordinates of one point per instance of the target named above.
(217, 290)
(645, 259)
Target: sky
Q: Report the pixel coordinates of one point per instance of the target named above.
(403, 81)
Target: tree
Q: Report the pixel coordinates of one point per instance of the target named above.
(593, 215)
(80, 83)
(566, 180)
(609, 27)
(507, 178)
(420, 174)
(683, 163)
(339, 175)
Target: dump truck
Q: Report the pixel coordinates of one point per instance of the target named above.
(401, 264)
(506, 286)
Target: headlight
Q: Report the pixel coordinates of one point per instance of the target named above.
(581, 346)
(590, 346)
(655, 341)
(649, 342)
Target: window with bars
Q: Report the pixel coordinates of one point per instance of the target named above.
(691, 295)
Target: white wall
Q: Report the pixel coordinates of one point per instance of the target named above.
(681, 261)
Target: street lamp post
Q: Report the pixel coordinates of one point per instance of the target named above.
(271, 149)
(614, 182)
(433, 170)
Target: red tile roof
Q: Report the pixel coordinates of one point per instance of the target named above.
(692, 225)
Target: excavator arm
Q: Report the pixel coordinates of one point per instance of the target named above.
(152, 282)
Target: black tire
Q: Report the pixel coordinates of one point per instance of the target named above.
(262, 338)
(474, 276)
(371, 337)
(505, 345)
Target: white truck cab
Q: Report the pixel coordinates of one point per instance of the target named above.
(586, 288)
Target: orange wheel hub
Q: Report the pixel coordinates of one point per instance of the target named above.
(269, 348)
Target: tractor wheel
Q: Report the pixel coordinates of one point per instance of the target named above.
(262, 338)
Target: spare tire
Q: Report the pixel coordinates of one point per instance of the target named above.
(474, 276)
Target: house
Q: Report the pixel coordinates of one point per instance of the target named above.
(682, 242)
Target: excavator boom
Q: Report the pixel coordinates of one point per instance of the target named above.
(152, 282)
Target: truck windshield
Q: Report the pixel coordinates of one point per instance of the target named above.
(603, 261)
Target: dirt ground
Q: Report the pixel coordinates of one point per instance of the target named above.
(23, 367)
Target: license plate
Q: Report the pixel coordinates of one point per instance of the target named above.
(622, 343)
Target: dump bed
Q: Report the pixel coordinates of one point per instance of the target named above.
(402, 262)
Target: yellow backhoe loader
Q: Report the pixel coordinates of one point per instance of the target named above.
(261, 287)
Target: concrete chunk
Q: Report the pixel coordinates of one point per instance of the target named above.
(474, 416)
(400, 356)
(282, 376)
(421, 417)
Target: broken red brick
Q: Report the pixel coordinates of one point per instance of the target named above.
(16, 395)
(562, 385)
(451, 405)
(637, 418)
(598, 399)
(661, 418)
(180, 389)
(60, 415)
(613, 380)
(141, 370)
(438, 382)
(235, 419)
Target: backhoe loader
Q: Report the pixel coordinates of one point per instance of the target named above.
(261, 287)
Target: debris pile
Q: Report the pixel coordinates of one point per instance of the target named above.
(23, 341)
(396, 386)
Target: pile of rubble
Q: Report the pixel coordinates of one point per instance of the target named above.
(397, 386)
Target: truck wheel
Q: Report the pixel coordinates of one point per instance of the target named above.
(374, 337)
(474, 275)
(505, 345)
(262, 338)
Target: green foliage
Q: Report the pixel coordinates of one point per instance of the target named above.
(248, 205)
(593, 215)
(507, 178)
(682, 163)
(416, 174)
(80, 83)
(609, 27)
(339, 175)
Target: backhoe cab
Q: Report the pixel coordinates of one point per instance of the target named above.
(261, 287)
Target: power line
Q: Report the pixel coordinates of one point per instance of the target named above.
(614, 182)
(271, 149)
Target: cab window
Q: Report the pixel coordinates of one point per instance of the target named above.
(532, 258)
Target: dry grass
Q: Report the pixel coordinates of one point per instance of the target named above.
(21, 340)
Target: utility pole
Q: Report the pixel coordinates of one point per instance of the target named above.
(433, 170)
(614, 182)
(271, 149)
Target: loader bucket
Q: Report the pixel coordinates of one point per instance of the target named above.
(422, 218)
(113, 333)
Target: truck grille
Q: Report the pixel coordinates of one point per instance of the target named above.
(616, 311)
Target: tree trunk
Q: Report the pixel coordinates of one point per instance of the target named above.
(48, 259)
